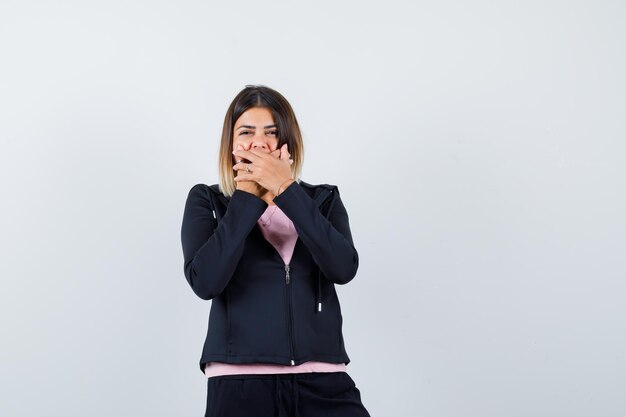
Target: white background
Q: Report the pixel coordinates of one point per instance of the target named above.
(478, 146)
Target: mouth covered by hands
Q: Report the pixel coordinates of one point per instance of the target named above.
(270, 170)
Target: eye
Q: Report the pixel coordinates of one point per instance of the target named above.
(273, 132)
(245, 132)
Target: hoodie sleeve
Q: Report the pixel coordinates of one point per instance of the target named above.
(328, 240)
(212, 251)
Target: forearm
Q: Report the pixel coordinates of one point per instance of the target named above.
(328, 240)
(212, 251)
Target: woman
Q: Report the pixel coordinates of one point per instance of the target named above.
(267, 248)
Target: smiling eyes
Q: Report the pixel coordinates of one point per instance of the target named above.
(245, 132)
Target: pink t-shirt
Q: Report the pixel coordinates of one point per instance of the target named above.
(279, 230)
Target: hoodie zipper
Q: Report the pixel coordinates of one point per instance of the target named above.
(288, 296)
(289, 313)
(288, 280)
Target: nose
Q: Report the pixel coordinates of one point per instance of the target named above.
(260, 145)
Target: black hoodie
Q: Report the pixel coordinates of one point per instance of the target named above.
(264, 311)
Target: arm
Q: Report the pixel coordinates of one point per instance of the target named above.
(328, 240)
(211, 251)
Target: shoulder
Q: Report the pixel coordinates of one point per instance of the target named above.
(198, 190)
(199, 194)
(316, 189)
(204, 189)
(210, 195)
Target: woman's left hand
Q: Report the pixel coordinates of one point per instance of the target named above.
(266, 170)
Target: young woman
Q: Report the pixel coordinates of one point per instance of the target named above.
(268, 249)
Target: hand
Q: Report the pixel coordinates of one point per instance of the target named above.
(248, 186)
(266, 169)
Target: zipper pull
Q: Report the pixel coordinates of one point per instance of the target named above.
(287, 274)
(293, 362)
(319, 306)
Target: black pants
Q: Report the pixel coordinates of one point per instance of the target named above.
(311, 394)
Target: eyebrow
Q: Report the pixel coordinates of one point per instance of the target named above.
(254, 127)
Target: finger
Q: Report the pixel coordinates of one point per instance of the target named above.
(243, 166)
(284, 154)
(240, 153)
(251, 155)
(237, 159)
(244, 176)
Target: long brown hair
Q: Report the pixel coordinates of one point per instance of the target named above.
(286, 124)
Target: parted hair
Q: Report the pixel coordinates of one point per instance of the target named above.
(288, 131)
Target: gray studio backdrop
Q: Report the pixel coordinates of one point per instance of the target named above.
(478, 146)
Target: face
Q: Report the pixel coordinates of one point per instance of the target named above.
(255, 129)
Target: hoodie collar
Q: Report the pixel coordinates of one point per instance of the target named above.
(319, 192)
